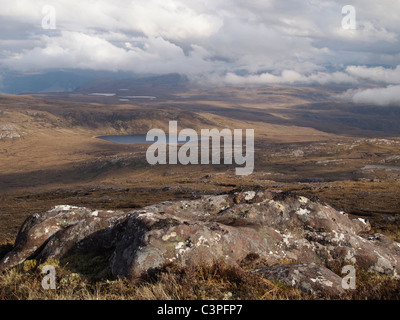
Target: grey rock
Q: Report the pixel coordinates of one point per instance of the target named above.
(315, 280)
(274, 225)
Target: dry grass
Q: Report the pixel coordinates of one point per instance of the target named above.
(216, 282)
(372, 286)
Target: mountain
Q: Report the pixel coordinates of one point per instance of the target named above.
(86, 82)
(49, 82)
(54, 81)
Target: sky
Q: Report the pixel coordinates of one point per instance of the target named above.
(228, 42)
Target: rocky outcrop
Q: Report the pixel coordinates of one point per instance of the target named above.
(275, 226)
(313, 279)
(10, 131)
(55, 233)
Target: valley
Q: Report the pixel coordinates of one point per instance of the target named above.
(49, 150)
(50, 154)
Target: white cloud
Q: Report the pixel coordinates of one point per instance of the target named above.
(378, 74)
(380, 96)
(167, 18)
(82, 51)
(170, 19)
(289, 77)
(376, 96)
(274, 41)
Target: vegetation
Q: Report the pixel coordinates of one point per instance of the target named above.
(216, 282)
(301, 147)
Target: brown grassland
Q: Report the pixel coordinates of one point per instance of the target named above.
(305, 143)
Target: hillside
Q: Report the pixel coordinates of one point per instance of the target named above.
(50, 156)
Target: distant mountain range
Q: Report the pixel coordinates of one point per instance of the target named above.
(142, 86)
(89, 82)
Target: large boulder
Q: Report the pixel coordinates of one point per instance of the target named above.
(275, 226)
(56, 232)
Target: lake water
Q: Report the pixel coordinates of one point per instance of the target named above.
(103, 94)
(139, 97)
(124, 98)
(138, 139)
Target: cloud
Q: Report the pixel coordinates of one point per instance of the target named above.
(82, 51)
(172, 19)
(289, 77)
(376, 96)
(378, 74)
(251, 41)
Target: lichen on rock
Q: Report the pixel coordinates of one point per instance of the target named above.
(272, 225)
